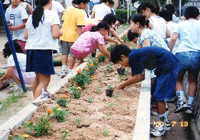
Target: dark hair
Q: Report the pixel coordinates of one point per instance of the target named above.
(170, 8)
(74, 2)
(145, 5)
(104, 1)
(139, 18)
(99, 26)
(111, 2)
(38, 12)
(191, 12)
(132, 35)
(110, 19)
(166, 14)
(118, 51)
(79, 1)
(7, 51)
(121, 20)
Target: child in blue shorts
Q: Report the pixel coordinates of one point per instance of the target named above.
(166, 70)
(188, 53)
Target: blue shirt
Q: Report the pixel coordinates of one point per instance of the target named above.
(152, 58)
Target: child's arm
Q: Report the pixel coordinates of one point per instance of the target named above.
(56, 33)
(173, 41)
(79, 29)
(93, 14)
(146, 43)
(132, 80)
(103, 49)
(168, 33)
(26, 33)
(13, 28)
(112, 31)
(7, 75)
(107, 38)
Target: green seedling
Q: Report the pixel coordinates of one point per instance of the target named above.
(90, 100)
(111, 104)
(116, 96)
(78, 121)
(105, 133)
(109, 68)
(65, 134)
(110, 87)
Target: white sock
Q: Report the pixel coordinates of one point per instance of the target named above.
(166, 119)
(19, 86)
(191, 100)
(166, 105)
(64, 67)
(161, 117)
(180, 94)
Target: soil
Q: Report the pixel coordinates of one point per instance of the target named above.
(115, 114)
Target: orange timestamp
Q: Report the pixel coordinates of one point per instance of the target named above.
(182, 124)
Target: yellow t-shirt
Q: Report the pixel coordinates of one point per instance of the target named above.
(72, 17)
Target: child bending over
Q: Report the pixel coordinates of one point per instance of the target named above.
(88, 42)
(166, 70)
(11, 72)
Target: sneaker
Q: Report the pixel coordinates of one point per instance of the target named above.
(63, 74)
(168, 125)
(180, 106)
(171, 100)
(45, 94)
(158, 131)
(189, 110)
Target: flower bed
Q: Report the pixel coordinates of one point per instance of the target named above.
(81, 109)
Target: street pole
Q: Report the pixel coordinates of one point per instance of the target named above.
(180, 9)
(12, 47)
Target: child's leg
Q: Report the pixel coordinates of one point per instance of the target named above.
(64, 62)
(35, 83)
(65, 52)
(11, 74)
(79, 62)
(43, 84)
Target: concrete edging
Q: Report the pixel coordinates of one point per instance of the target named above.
(26, 113)
(142, 125)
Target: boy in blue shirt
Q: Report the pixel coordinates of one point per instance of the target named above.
(150, 58)
(188, 54)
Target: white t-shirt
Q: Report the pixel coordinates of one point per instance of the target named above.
(57, 8)
(16, 16)
(175, 18)
(41, 38)
(189, 35)
(22, 63)
(101, 10)
(159, 25)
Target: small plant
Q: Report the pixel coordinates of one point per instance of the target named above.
(109, 68)
(90, 100)
(62, 102)
(81, 79)
(65, 134)
(105, 133)
(59, 114)
(101, 58)
(1, 74)
(110, 87)
(78, 121)
(25, 136)
(111, 48)
(111, 104)
(39, 129)
(76, 92)
(125, 38)
(99, 90)
(116, 96)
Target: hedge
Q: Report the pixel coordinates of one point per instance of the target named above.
(122, 13)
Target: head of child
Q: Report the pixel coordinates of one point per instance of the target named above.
(102, 28)
(110, 19)
(166, 14)
(7, 51)
(119, 22)
(82, 4)
(15, 3)
(119, 55)
(105, 1)
(170, 8)
(111, 3)
(191, 12)
(137, 23)
(39, 11)
(147, 9)
(132, 36)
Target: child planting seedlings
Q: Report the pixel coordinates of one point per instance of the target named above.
(88, 42)
(166, 70)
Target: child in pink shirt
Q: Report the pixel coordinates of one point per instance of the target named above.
(88, 42)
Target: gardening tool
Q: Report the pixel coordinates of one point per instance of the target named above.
(12, 46)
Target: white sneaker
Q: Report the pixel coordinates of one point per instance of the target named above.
(158, 130)
(180, 106)
(190, 109)
(45, 94)
(168, 125)
(63, 74)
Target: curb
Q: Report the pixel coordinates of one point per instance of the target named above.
(142, 125)
(26, 113)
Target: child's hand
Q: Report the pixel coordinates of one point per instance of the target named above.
(1, 84)
(12, 28)
(118, 87)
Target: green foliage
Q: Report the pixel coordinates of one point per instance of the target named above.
(62, 102)
(78, 121)
(116, 96)
(39, 129)
(110, 87)
(101, 58)
(75, 92)
(59, 114)
(105, 133)
(1, 74)
(111, 48)
(57, 62)
(111, 104)
(65, 134)
(90, 100)
(109, 67)
(122, 13)
(125, 38)
(17, 138)
(81, 79)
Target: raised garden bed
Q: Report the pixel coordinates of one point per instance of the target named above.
(94, 115)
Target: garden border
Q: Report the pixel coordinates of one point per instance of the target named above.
(26, 113)
(142, 125)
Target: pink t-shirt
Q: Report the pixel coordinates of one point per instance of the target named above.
(86, 44)
(88, 27)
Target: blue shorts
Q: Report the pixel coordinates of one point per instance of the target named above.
(40, 61)
(164, 85)
(189, 61)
